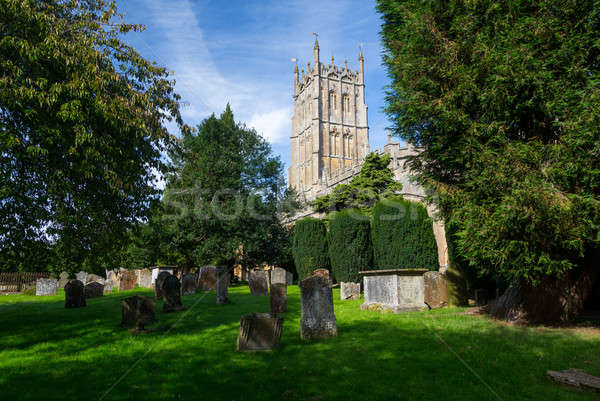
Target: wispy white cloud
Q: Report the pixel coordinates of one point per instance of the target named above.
(273, 125)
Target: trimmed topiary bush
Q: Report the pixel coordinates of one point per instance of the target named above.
(350, 248)
(403, 236)
(310, 246)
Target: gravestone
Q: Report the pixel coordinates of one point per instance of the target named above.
(109, 286)
(207, 278)
(63, 279)
(137, 311)
(278, 276)
(156, 271)
(127, 280)
(189, 284)
(112, 278)
(289, 278)
(397, 290)
(278, 299)
(257, 281)
(318, 318)
(159, 282)
(81, 276)
(93, 290)
(259, 331)
(171, 292)
(46, 286)
(481, 297)
(436, 290)
(349, 291)
(222, 284)
(322, 273)
(144, 278)
(94, 278)
(74, 294)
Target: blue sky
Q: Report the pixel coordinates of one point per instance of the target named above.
(240, 52)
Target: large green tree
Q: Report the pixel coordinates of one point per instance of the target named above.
(82, 129)
(222, 198)
(503, 99)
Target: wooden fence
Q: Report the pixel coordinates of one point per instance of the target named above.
(17, 282)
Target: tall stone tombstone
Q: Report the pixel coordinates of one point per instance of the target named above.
(144, 278)
(63, 279)
(189, 284)
(278, 276)
(127, 280)
(207, 278)
(289, 278)
(137, 311)
(93, 290)
(158, 284)
(222, 284)
(257, 281)
(171, 293)
(349, 291)
(74, 294)
(278, 301)
(46, 286)
(318, 318)
(259, 331)
(112, 280)
(436, 290)
(81, 276)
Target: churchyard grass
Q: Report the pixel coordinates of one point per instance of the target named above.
(48, 352)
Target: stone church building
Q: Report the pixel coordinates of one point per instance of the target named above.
(330, 137)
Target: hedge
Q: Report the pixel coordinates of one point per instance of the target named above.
(350, 248)
(310, 246)
(402, 236)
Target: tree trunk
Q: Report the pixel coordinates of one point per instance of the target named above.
(556, 299)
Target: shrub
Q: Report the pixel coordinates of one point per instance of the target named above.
(350, 248)
(402, 236)
(310, 246)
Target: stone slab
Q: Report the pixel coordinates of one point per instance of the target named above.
(189, 284)
(137, 311)
(91, 278)
(278, 299)
(63, 279)
(395, 290)
(144, 278)
(46, 286)
(93, 290)
(576, 378)
(82, 276)
(159, 283)
(258, 283)
(74, 294)
(278, 276)
(207, 278)
(127, 280)
(318, 317)
(349, 291)
(259, 331)
(436, 290)
(171, 293)
(222, 284)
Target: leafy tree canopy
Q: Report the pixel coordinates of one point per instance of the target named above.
(375, 181)
(503, 99)
(82, 128)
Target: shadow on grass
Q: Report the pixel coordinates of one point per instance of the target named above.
(48, 352)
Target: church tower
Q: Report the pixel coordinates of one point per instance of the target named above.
(330, 131)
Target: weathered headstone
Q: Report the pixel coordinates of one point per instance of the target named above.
(436, 290)
(289, 278)
(278, 298)
(481, 297)
(257, 281)
(63, 279)
(157, 270)
(109, 286)
(349, 290)
(127, 280)
(259, 331)
(189, 284)
(112, 280)
(318, 318)
(397, 290)
(576, 378)
(46, 286)
(207, 278)
(94, 278)
(278, 276)
(74, 294)
(93, 290)
(159, 282)
(322, 273)
(144, 278)
(222, 284)
(81, 276)
(171, 292)
(137, 311)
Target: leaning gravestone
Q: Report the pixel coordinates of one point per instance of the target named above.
(81, 276)
(93, 290)
(259, 331)
(349, 291)
(112, 280)
(188, 284)
(278, 276)
(436, 290)
(46, 286)
(257, 281)
(127, 280)
(94, 278)
(74, 294)
(278, 299)
(137, 311)
(222, 284)
(63, 279)
(318, 319)
(158, 284)
(144, 278)
(322, 273)
(171, 292)
(207, 278)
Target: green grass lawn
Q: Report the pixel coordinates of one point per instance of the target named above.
(48, 352)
